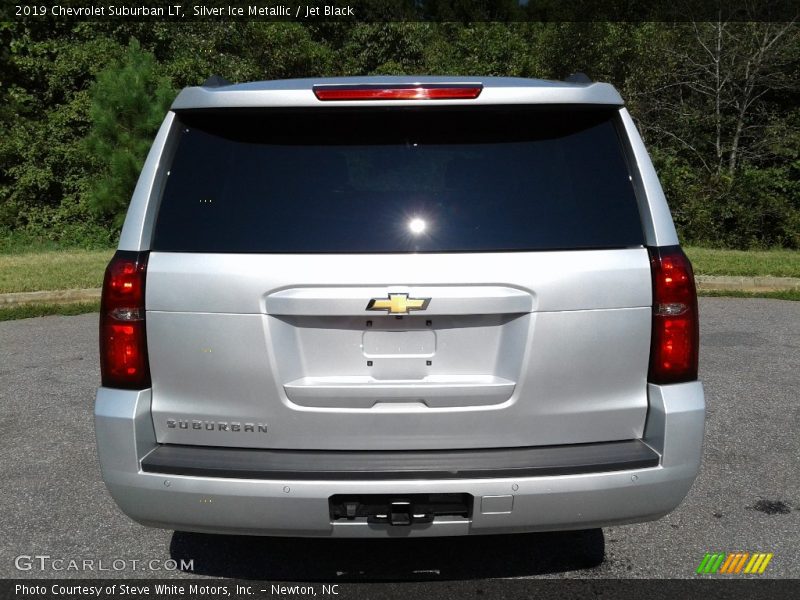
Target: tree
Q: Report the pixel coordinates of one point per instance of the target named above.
(46, 69)
(721, 89)
(718, 113)
(128, 102)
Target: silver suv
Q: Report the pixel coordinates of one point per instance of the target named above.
(385, 305)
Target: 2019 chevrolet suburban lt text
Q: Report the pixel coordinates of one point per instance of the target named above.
(366, 306)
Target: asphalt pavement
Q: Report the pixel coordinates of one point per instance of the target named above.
(746, 498)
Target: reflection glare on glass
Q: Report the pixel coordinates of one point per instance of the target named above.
(416, 225)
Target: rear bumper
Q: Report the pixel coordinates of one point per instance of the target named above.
(294, 503)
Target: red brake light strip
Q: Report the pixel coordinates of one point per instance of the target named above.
(404, 92)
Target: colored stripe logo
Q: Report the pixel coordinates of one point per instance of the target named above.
(734, 563)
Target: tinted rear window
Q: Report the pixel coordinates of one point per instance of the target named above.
(397, 180)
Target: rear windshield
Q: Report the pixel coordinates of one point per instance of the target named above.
(397, 180)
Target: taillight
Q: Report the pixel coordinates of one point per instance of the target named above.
(416, 91)
(675, 339)
(123, 343)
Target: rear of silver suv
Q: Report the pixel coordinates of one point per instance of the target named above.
(377, 306)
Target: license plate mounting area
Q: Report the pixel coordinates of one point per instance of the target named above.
(399, 510)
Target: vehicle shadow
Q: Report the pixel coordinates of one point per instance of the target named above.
(417, 559)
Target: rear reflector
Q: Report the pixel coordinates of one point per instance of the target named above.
(675, 339)
(399, 92)
(123, 343)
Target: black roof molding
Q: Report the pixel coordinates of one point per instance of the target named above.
(578, 77)
(216, 81)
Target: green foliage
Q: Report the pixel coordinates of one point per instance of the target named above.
(760, 208)
(128, 102)
(384, 49)
(44, 169)
(244, 52)
(68, 224)
(488, 49)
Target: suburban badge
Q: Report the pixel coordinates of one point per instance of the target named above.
(233, 426)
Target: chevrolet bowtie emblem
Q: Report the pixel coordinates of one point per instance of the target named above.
(398, 304)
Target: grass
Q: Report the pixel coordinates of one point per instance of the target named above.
(778, 295)
(26, 311)
(52, 270)
(778, 263)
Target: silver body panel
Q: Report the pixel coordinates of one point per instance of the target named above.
(300, 508)
(514, 349)
(283, 340)
(659, 230)
(137, 231)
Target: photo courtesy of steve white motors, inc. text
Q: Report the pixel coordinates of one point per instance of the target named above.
(173, 589)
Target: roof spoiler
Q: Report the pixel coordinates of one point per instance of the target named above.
(578, 77)
(216, 81)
